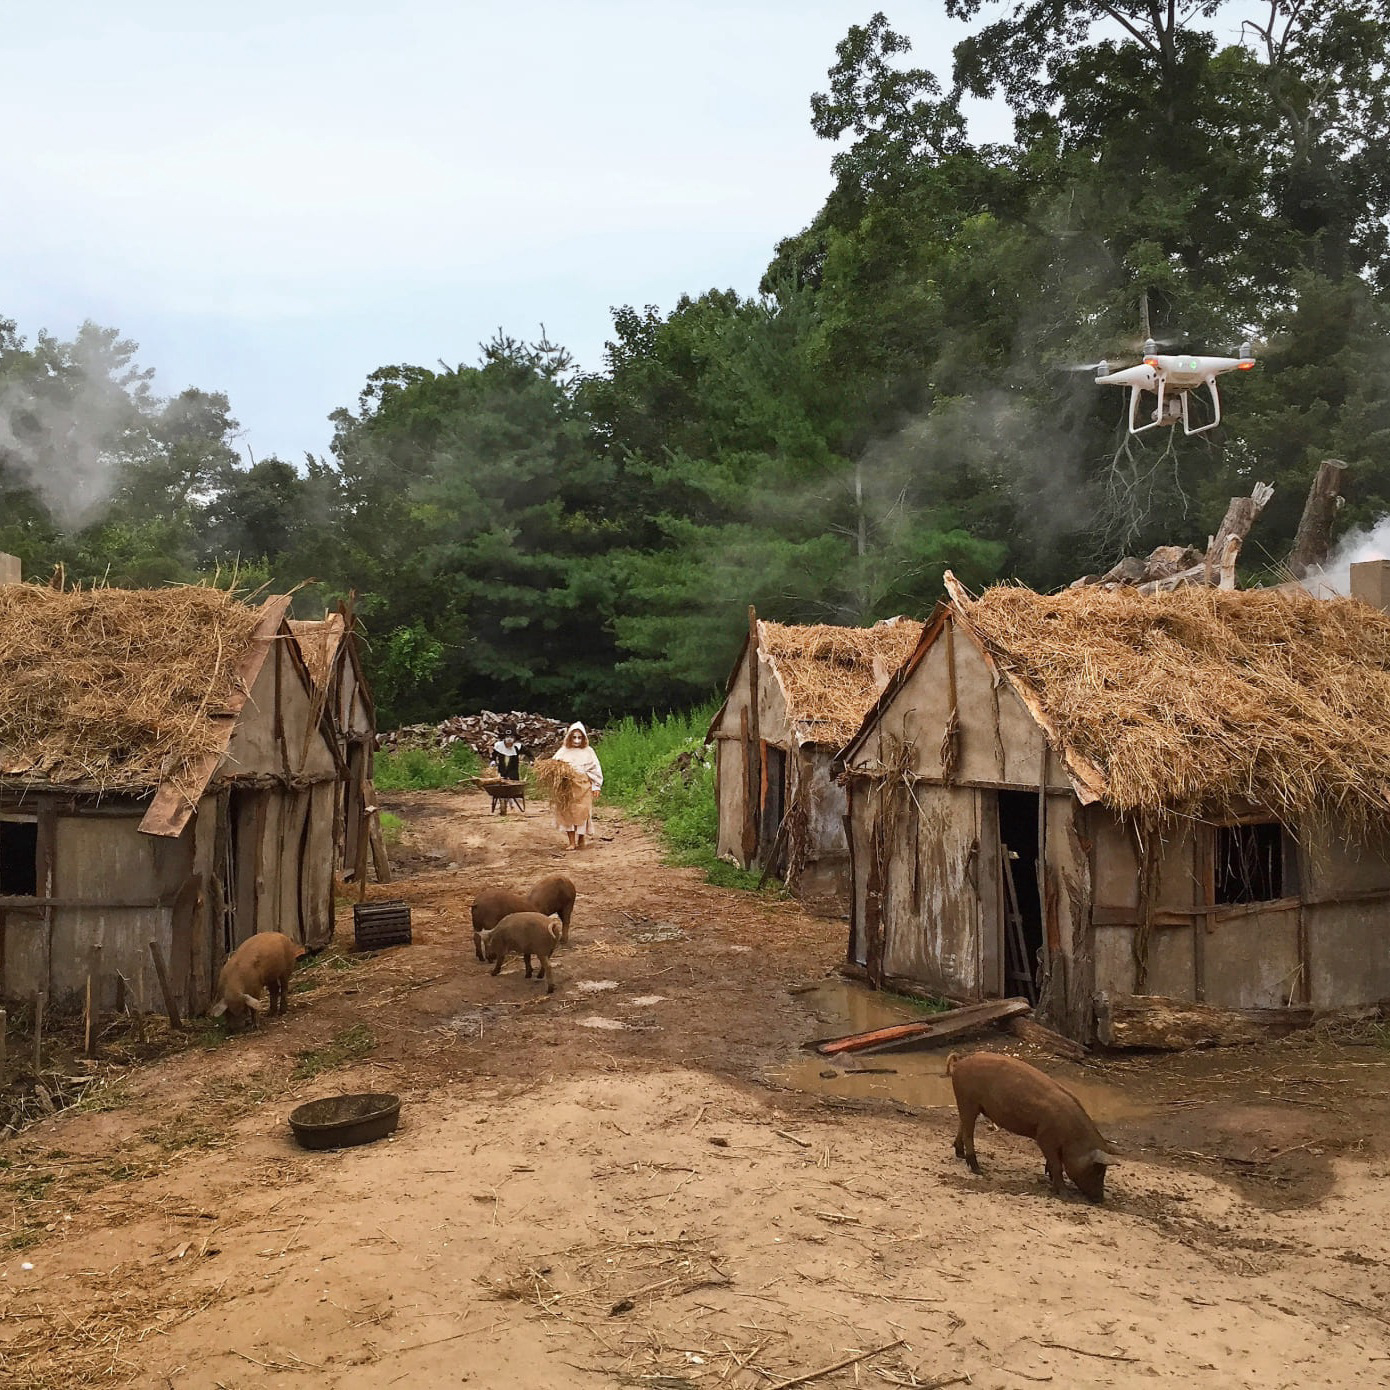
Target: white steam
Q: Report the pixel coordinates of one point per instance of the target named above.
(1334, 577)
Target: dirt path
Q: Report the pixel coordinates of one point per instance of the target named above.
(639, 1181)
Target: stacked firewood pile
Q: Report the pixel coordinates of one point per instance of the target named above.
(537, 735)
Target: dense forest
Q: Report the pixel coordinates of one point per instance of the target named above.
(900, 394)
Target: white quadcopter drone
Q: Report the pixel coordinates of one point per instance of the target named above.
(1170, 379)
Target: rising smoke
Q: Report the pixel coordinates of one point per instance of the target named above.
(70, 420)
(1371, 543)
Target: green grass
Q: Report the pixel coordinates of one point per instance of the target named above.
(661, 771)
(344, 1047)
(392, 828)
(33, 1188)
(425, 769)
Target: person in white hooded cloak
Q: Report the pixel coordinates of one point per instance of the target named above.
(574, 812)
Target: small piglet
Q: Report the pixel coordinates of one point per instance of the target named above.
(490, 907)
(1026, 1101)
(524, 934)
(265, 959)
(554, 896)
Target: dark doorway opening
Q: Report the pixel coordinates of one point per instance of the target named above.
(774, 807)
(19, 858)
(1023, 919)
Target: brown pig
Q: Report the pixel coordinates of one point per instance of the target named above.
(265, 959)
(1026, 1101)
(524, 934)
(490, 907)
(555, 896)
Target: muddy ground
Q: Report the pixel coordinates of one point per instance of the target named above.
(644, 1180)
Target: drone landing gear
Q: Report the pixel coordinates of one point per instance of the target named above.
(1172, 408)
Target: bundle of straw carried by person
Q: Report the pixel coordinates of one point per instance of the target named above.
(568, 788)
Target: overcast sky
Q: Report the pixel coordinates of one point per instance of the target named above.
(274, 199)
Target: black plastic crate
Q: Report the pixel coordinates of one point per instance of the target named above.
(377, 925)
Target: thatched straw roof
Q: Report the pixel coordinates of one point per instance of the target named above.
(319, 640)
(1201, 701)
(115, 689)
(832, 675)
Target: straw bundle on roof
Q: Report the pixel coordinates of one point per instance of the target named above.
(1201, 701)
(115, 688)
(829, 673)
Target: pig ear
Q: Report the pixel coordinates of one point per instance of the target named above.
(252, 1002)
(1101, 1157)
(218, 1009)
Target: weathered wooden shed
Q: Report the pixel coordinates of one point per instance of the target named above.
(167, 774)
(795, 695)
(1109, 800)
(331, 652)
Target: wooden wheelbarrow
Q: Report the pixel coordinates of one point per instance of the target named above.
(505, 793)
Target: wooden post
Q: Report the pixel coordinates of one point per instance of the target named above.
(1205, 849)
(92, 1019)
(2, 1046)
(170, 1007)
(38, 1031)
(359, 863)
(1314, 538)
(380, 862)
(752, 820)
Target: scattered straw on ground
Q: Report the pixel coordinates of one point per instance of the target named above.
(832, 675)
(1201, 701)
(107, 1341)
(615, 1276)
(115, 688)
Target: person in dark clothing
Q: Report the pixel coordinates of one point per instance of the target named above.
(506, 753)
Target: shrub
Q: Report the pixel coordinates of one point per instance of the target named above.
(426, 769)
(660, 770)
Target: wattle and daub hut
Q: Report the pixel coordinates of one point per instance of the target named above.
(330, 651)
(795, 695)
(169, 772)
(1106, 800)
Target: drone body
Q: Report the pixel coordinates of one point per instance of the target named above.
(1170, 378)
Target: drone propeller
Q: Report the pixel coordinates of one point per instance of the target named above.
(1149, 346)
(1101, 366)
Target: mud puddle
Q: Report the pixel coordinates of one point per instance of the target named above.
(915, 1077)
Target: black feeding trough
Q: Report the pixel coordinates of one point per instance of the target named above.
(337, 1122)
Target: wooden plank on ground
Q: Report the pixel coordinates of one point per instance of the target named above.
(1027, 1030)
(1153, 1022)
(947, 1025)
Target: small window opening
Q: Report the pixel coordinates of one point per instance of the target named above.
(19, 858)
(1252, 863)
